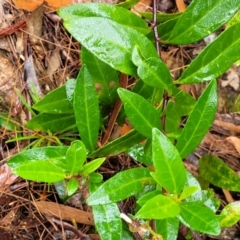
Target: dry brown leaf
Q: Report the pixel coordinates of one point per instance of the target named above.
(53, 64)
(180, 5)
(31, 5)
(8, 81)
(235, 141)
(227, 125)
(6, 176)
(64, 212)
(232, 79)
(34, 24)
(228, 196)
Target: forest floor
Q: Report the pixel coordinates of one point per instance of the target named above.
(52, 57)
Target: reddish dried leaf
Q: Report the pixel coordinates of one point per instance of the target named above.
(31, 5)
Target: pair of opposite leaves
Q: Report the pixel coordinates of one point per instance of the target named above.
(31, 5)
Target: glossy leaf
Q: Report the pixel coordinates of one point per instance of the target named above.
(209, 200)
(161, 17)
(128, 3)
(167, 228)
(138, 154)
(140, 112)
(40, 164)
(199, 218)
(41, 172)
(215, 171)
(188, 191)
(159, 207)
(119, 145)
(121, 186)
(153, 71)
(55, 101)
(107, 11)
(107, 220)
(70, 88)
(199, 121)
(86, 109)
(169, 167)
(110, 41)
(45, 122)
(72, 186)
(75, 157)
(91, 166)
(192, 182)
(52, 154)
(199, 20)
(146, 197)
(212, 61)
(105, 78)
(95, 177)
(183, 102)
(230, 214)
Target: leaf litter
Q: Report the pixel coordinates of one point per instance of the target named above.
(32, 210)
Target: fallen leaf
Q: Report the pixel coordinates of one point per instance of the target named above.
(64, 212)
(232, 79)
(31, 5)
(6, 176)
(235, 141)
(227, 125)
(180, 5)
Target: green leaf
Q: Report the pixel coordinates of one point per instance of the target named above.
(230, 214)
(91, 166)
(198, 21)
(70, 88)
(119, 145)
(95, 177)
(141, 114)
(210, 201)
(107, 11)
(128, 3)
(167, 228)
(121, 186)
(169, 167)
(212, 61)
(72, 186)
(41, 172)
(138, 154)
(152, 71)
(86, 109)
(215, 171)
(52, 154)
(107, 221)
(45, 122)
(188, 191)
(40, 164)
(75, 157)
(110, 41)
(159, 207)
(161, 17)
(9, 124)
(105, 78)
(55, 101)
(199, 218)
(192, 182)
(146, 197)
(199, 121)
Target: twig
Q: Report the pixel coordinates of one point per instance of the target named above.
(157, 44)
